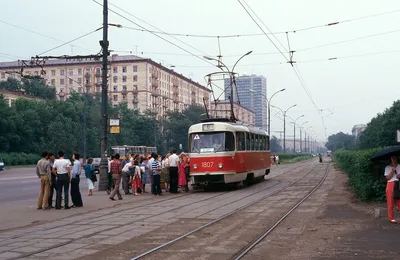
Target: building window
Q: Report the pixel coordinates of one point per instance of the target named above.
(124, 88)
(71, 82)
(36, 73)
(87, 71)
(115, 79)
(62, 72)
(80, 90)
(115, 88)
(115, 97)
(71, 72)
(79, 71)
(97, 89)
(80, 80)
(124, 69)
(123, 78)
(135, 68)
(115, 69)
(98, 70)
(98, 80)
(61, 81)
(135, 78)
(53, 82)
(135, 87)
(53, 73)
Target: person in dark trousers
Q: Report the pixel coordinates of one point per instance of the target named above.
(75, 179)
(111, 183)
(320, 158)
(156, 167)
(116, 172)
(62, 167)
(53, 181)
(173, 172)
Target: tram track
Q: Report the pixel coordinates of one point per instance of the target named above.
(209, 224)
(268, 231)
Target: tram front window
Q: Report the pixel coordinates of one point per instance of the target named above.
(212, 142)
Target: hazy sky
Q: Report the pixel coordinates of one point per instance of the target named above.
(354, 88)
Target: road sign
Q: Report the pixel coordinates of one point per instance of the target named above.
(398, 135)
(114, 121)
(114, 129)
(180, 146)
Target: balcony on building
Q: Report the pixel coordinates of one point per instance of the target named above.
(135, 101)
(135, 91)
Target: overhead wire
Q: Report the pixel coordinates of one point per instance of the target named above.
(68, 42)
(349, 40)
(261, 34)
(170, 42)
(297, 72)
(38, 33)
(143, 21)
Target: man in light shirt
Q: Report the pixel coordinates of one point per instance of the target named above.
(62, 166)
(44, 173)
(173, 172)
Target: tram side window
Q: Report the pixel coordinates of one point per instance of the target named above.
(264, 143)
(248, 141)
(229, 141)
(241, 141)
(257, 142)
(252, 142)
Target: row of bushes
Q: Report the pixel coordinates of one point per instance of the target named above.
(365, 177)
(20, 158)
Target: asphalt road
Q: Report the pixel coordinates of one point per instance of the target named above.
(22, 186)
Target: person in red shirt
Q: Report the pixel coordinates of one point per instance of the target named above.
(116, 172)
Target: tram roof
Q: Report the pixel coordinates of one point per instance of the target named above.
(228, 126)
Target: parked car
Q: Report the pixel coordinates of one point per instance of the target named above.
(1, 164)
(96, 164)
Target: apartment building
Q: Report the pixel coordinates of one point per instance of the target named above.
(251, 91)
(222, 109)
(139, 82)
(11, 96)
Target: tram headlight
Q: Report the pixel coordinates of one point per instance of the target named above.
(195, 166)
(220, 165)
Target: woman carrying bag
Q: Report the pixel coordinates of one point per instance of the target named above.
(392, 172)
(90, 176)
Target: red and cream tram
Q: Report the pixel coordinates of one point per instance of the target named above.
(226, 152)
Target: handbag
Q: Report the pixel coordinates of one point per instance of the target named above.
(93, 177)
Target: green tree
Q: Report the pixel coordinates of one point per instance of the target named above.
(275, 145)
(381, 131)
(34, 87)
(339, 141)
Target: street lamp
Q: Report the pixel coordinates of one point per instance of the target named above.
(231, 75)
(284, 124)
(294, 132)
(305, 138)
(301, 140)
(269, 106)
(84, 119)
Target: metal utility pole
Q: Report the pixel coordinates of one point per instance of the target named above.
(104, 100)
(294, 132)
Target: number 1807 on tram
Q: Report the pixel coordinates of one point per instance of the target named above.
(226, 152)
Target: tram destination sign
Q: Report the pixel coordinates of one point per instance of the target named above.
(208, 127)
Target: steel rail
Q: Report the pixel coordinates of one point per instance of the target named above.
(220, 218)
(255, 242)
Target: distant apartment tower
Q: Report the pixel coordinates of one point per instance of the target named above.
(251, 92)
(222, 109)
(139, 82)
(358, 129)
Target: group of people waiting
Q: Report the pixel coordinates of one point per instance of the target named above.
(58, 175)
(135, 172)
(168, 173)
